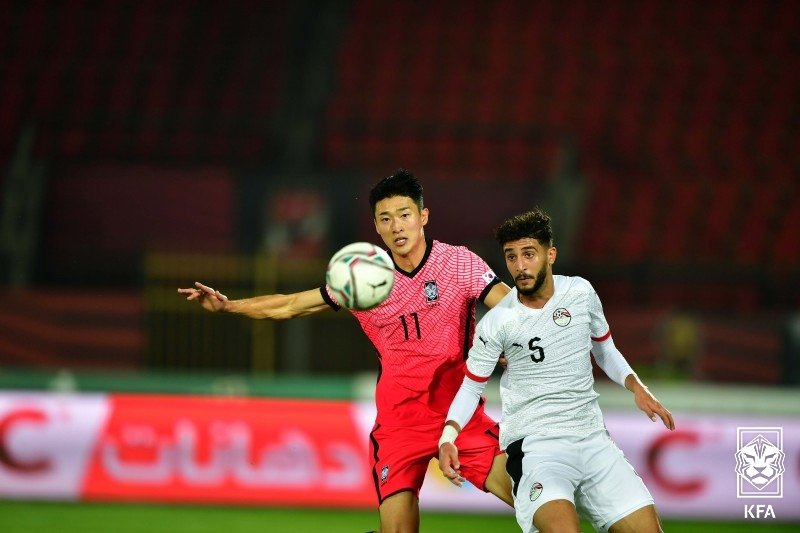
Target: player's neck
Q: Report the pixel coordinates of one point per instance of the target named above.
(410, 261)
(540, 298)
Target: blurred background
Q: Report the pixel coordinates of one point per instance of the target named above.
(147, 145)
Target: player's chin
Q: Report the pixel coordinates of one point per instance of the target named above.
(526, 290)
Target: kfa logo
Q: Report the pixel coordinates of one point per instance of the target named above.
(759, 462)
(431, 292)
(759, 511)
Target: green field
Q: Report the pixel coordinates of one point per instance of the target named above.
(36, 517)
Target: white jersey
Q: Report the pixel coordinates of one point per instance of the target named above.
(547, 387)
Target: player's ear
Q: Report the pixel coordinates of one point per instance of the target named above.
(423, 215)
(551, 255)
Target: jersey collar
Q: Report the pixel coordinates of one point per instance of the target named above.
(428, 247)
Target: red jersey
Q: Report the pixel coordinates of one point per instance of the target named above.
(423, 331)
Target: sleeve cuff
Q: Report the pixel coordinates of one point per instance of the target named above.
(473, 377)
(328, 300)
(485, 291)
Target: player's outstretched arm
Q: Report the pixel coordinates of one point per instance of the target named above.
(647, 402)
(271, 306)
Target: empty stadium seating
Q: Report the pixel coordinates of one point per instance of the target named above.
(143, 80)
(684, 115)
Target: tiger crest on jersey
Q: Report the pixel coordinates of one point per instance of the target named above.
(431, 292)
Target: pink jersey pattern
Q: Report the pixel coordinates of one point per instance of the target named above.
(423, 331)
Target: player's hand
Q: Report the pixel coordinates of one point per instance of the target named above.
(652, 407)
(502, 361)
(210, 299)
(449, 465)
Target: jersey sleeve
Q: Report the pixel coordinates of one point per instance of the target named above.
(479, 278)
(611, 360)
(598, 326)
(466, 401)
(486, 349)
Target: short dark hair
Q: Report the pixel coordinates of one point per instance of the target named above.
(534, 224)
(401, 183)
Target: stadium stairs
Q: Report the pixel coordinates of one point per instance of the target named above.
(66, 329)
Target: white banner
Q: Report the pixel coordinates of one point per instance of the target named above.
(691, 472)
(711, 466)
(46, 442)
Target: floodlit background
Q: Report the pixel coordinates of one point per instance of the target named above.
(147, 145)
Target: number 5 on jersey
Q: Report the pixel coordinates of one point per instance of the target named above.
(537, 352)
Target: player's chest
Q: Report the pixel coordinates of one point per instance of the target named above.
(421, 300)
(553, 336)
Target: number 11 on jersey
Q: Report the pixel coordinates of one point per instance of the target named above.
(416, 325)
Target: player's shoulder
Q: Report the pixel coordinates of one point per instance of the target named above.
(459, 257)
(575, 284)
(503, 312)
(455, 250)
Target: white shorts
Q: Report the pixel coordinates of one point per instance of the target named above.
(591, 472)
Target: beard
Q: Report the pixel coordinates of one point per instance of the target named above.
(537, 284)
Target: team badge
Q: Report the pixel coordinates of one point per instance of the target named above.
(384, 474)
(431, 292)
(760, 462)
(561, 317)
(536, 491)
(488, 276)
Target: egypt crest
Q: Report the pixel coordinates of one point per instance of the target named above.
(431, 292)
(562, 317)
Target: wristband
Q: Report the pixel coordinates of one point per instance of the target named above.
(449, 434)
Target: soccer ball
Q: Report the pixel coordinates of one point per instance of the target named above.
(360, 276)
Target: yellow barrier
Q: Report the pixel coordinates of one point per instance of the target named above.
(181, 335)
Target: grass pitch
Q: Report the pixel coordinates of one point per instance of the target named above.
(47, 517)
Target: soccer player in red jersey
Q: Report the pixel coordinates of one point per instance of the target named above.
(422, 333)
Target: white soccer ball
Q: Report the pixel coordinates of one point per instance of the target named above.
(360, 276)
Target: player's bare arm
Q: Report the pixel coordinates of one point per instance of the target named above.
(647, 402)
(271, 306)
(496, 294)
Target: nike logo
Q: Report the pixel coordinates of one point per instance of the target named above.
(517, 345)
(381, 284)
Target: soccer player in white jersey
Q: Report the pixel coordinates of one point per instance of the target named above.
(561, 459)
